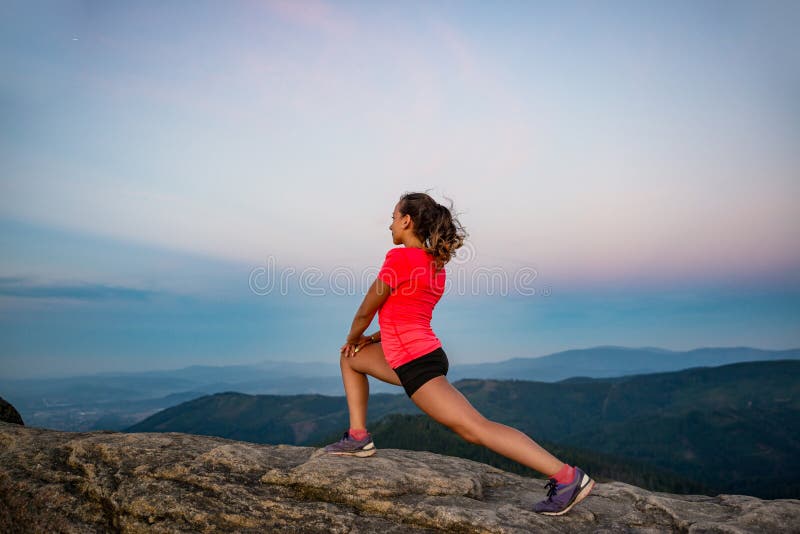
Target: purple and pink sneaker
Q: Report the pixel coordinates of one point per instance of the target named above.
(562, 497)
(347, 446)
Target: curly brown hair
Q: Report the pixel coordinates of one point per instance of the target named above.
(434, 224)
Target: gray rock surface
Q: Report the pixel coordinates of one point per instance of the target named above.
(8, 413)
(53, 481)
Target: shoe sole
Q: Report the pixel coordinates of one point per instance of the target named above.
(368, 450)
(578, 498)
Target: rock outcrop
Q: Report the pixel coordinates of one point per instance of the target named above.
(111, 481)
(8, 413)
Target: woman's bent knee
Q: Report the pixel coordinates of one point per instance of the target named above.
(346, 363)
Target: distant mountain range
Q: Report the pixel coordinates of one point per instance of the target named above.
(116, 400)
(732, 429)
(611, 361)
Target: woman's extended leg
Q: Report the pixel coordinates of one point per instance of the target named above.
(368, 361)
(445, 404)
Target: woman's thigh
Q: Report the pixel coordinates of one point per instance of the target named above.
(370, 360)
(448, 406)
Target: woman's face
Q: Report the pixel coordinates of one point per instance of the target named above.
(396, 226)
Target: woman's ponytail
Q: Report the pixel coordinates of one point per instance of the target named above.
(434, 224)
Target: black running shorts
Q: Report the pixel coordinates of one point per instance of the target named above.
(419, 370)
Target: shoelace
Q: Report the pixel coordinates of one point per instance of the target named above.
(551, 484)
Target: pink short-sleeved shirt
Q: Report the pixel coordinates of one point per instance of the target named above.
(405, 316)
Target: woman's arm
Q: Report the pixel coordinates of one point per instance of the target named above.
(360, 324)
(376, 337)
(373, 300)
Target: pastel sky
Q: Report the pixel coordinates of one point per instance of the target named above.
(629, 171)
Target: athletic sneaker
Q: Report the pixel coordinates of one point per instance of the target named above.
(352, 447)
(562, 497)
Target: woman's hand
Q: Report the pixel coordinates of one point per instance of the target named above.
(351, 348)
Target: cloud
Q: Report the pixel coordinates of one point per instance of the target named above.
(15, 286)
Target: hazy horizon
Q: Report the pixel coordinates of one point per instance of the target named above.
(256, 364)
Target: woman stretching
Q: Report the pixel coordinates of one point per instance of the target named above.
(405, 352)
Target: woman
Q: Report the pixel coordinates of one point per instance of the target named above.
(405, 352)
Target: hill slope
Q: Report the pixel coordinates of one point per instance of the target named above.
(114, 401)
